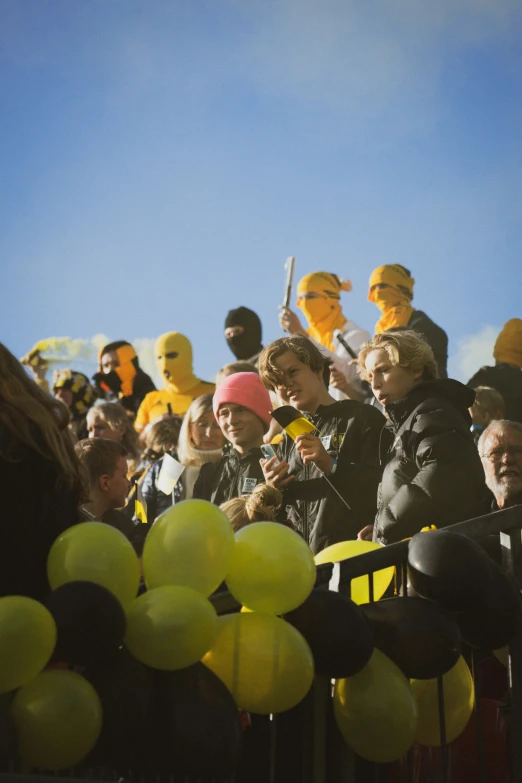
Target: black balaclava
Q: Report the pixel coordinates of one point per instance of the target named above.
(245, 345)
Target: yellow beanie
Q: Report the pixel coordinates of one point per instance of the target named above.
(508, 348)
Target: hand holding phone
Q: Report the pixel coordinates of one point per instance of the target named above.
(268, 452)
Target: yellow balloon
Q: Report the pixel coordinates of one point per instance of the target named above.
(170, 627)
(360, 586)
(264, 662)
(376, 711)
(501, 655)
(189, 545)
(58, 719)
(95, 552)
(459, 699)
(27, 640)
(272, 568)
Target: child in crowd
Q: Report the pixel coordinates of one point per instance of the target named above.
(345, 448)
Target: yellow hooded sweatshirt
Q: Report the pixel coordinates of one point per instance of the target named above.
(508, 347)
(323, 313)
(394, 299)
(174, 358)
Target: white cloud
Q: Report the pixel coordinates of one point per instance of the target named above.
(360, 57)
(473, 351)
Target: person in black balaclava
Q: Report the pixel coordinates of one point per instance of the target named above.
(243, 333)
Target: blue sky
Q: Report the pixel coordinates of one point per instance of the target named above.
(160, 159)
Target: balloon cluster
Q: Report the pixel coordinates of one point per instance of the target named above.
(102, 675)
(124, 681)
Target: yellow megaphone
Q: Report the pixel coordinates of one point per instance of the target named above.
(292, 421)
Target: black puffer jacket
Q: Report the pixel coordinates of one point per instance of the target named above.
(232, 476)
(436, 338)
(350, 432)
(507, 380)
(433, 474)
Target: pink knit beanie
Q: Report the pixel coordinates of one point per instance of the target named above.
(246, 389)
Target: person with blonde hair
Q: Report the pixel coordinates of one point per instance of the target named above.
(432, 473)
(260, 506)
(506, 374)
(200, 441)
(41, 484)
(110, 420)
(319, 298)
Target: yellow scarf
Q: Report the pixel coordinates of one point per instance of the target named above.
(324, 314)
(394, 300)
(508, 347)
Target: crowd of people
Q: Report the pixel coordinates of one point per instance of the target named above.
(391, 444)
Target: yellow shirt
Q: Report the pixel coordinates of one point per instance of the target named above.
(155, 404)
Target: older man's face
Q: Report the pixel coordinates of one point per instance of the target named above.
(502, 460)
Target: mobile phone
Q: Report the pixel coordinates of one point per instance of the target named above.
(268, 451)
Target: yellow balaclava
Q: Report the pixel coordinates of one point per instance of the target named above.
(324, 314)
(393, 301)
(126, 370)
(508, 347)
(174, 358)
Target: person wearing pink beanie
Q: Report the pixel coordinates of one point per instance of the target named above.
(242, 408)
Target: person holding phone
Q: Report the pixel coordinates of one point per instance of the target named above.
(242, 409)
(344, 448)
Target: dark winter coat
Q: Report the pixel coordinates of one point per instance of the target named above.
(34, 513)
(133, 530)
(230, 477)
(351, 433)
(436, 338)
(433, 473)
(156, 500)
(507, 380)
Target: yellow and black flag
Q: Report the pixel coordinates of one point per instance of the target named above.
(292, 421)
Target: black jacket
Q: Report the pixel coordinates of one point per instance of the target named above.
(436, 338)
(143, 384)
(232, 476)
(133, 530)
(34, 514)
(507, 380)
(156, 500)
(433, 473)
(350, 432)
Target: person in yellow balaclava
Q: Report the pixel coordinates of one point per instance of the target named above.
(174, 358)
(318, 296)
(506, 375)
(391, 289)
(120, 377)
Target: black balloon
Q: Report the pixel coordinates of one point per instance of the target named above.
(90, 622)
(493, 621)
(337, 632)
(416, 635)
(447, 568)
(198, 728)
(126, 690)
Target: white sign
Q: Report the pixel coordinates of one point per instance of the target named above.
(169, 474)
